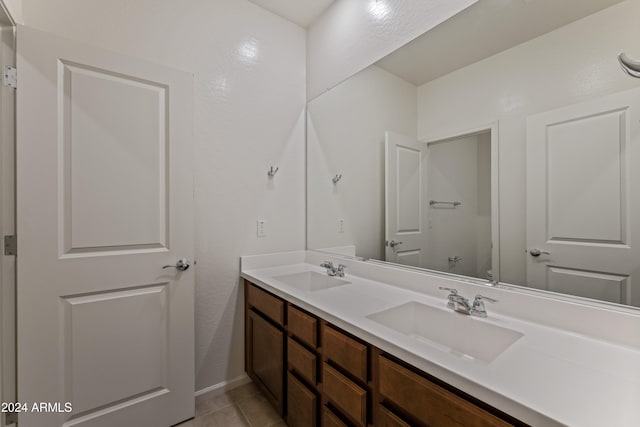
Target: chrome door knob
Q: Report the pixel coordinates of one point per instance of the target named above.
(182, 265)
(393, 243)
(537, 252)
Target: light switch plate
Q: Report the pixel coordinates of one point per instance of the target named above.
(262, 228)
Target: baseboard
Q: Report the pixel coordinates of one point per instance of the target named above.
(224, 386)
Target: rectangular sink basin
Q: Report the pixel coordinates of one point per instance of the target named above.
(456, 333)
(311, 281)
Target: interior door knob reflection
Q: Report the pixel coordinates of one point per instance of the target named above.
(393, 243)
(537, 252)
(182, 265)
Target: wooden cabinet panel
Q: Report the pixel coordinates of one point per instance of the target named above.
(348, 353)
(400, 395)
(329, 419)
(303, 326)
(302, 360)
(267, 304)
(429, 402)
(386, 418)
(302, 404)
(266, 358)
(346, 394)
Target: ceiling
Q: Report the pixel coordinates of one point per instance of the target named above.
(482, 30)
(301, 12)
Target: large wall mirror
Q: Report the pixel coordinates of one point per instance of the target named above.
(503, 144)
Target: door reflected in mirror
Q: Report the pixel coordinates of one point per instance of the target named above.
(516, 120)
(438, 203)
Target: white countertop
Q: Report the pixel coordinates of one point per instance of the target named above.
(551, 376)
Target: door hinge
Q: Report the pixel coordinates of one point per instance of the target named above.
(10, 245)
(10, 76)
(10, 418)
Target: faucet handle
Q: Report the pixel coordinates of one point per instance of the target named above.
(327, 264)
(479, 298)
(478, 308)
(452, 294)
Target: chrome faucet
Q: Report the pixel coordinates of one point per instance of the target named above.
(478, 308)
(334, 271)
(461, 304)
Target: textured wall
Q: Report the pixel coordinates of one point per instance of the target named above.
(353, 34)
(346, 129)
(249, 68)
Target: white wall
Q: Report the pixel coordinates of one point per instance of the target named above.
(460, 170)
(14, 7)
(484, 236)
(249, 114)
(346, 129)
(353, 34)
(569, 65)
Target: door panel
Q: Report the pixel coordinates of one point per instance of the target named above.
(105, 200)
(585, 178)
(581, 172)
(124, 132)
(405, 184)
(597, 285)
(409, 171)
(91, 333)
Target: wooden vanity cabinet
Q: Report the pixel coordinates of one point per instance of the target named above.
(422, 402)
(315, 375)
(265, 343)
(302, 403)
(303, 358)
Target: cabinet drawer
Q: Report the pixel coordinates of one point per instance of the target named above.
(267, 304)
(348, 353)
(302, 360)
(386, 418)
(329, 419)
(346, 394)
(429, 402)
(302, 404)
(303, 326)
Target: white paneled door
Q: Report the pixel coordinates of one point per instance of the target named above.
(405, 210)
(104, 201)
(583, 199)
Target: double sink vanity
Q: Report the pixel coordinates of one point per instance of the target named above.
(386, 346)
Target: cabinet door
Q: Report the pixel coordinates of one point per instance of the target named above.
(386, 418)
(266, 357)
(302, 404)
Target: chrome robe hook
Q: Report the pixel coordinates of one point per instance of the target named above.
(272, 172)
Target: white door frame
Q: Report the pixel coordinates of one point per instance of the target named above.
(493, 128)
(7, 214)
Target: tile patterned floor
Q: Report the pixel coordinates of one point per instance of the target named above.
(244, 406)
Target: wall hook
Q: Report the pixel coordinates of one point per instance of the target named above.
(336, 178)
(272, 172)
(629, 65)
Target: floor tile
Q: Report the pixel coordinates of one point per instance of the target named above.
(205, 406)
(229, 416)
(245, 391)
(259, 412)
